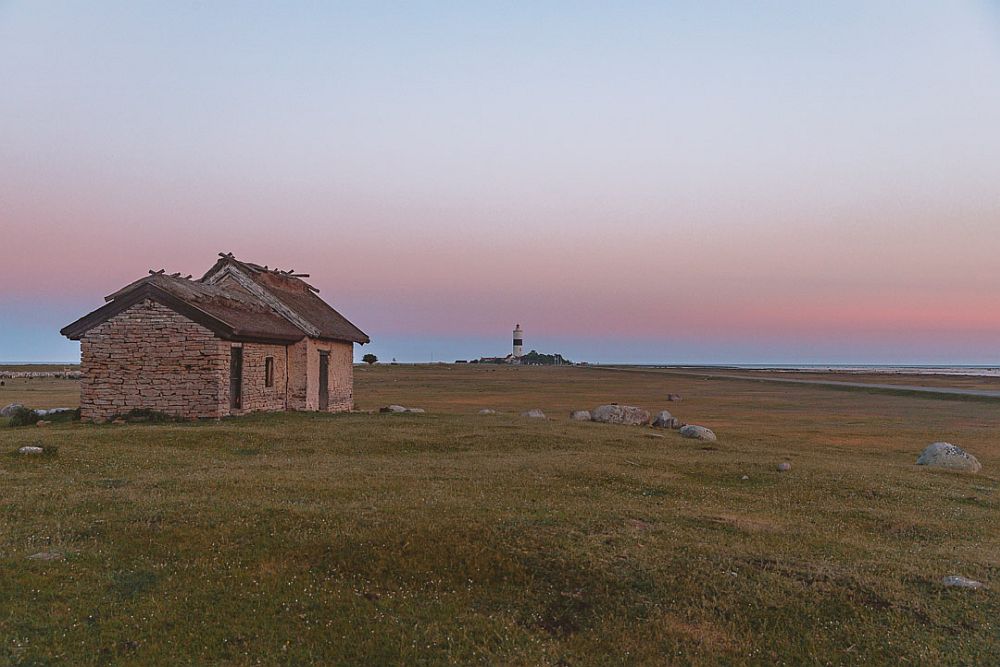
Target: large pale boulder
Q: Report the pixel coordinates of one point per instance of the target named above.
(956, 581)
(393, 408)
(9, 410)
(664, 419)
(534, 414)
(620, 414)
(698, 433)
(947, 455)
(580, 415)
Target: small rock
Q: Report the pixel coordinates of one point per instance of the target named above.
(580, 415)
(534, 414)
(655, 435)
(393, 408)
(487, 411)
(9, 410)
(745, 477)
(627, 415)
(947, 455)
(784, 466)
(416, 411)
(30, 449)
(46, 555)
(698, 433)
(955, 581)
(664, 419)
(673, 398)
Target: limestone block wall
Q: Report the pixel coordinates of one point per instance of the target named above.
(148, 356)
(298, 380)
(341, 381)
(303, 375)
(256, 394)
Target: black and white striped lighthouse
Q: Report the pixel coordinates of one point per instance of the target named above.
(518, 342)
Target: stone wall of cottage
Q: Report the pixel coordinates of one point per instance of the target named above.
(148, 356)
(303, 375)
(257, 396)
(341, 380)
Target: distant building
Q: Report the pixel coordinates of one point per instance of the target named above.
(241, 338)
(518, 342)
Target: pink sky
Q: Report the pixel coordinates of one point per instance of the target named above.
(685, 183)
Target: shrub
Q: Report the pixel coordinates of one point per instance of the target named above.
(147, 416)
(23, 416)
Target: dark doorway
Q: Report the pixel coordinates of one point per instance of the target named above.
(236, 378)
(324, 380)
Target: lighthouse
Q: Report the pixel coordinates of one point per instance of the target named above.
(518, 342)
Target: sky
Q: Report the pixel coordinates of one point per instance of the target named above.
(669, 182)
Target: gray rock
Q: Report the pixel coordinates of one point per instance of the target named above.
(534, 414)
(948, 456)
(487, 411)
(9, 410)
(30, 449)
(416, 411)
(673, 397)
(393, 408)
(52, 411)
(664, 419)
(46, 555)
(784, 466)
(698, 433)
(580, 415)
(620, 414)
(955, 581)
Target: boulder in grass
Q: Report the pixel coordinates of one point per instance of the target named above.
(948, 456)
(955, 581)
(415, 411)
(620, 414)
(673, 397)
(31, 450)
(534, 414)
(580, 415)
(487, 411)
(698, 433)
(10, 410)
(664, 419)
(396, 409)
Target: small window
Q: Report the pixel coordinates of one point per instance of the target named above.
(268, 371)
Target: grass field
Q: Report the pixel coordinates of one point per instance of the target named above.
(451, 537)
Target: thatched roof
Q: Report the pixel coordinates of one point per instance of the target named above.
(236, 300)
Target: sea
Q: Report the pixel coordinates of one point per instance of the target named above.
(859, 369)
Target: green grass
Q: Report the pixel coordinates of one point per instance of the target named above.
(456, 538)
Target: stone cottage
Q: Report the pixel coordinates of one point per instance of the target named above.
(241, 338)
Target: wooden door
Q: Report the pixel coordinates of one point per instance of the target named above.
(324, 380)
(235, 378)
